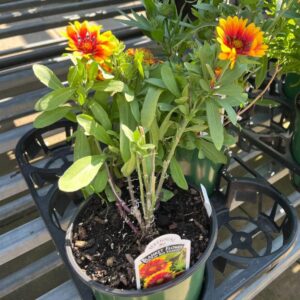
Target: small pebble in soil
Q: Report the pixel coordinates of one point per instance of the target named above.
(110, 261)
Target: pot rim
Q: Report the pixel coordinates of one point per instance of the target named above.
(132, 293)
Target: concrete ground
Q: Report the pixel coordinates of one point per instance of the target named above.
(285, 287)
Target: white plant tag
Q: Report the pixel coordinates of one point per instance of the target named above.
(206, 200)
(164, 258)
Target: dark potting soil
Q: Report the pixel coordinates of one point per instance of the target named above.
(105, 247)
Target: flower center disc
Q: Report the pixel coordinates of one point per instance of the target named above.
(237, 44)
(86, 46)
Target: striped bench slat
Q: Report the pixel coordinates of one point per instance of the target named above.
(65, 291)
(11, 184)
(22, 239)
(29, 273)
(15, 106)
(20, 4)
(45, 11)
(31, 27)
(16, 208)
(9, 139)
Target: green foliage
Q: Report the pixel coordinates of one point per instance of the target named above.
(81, 173)
(47, 118)
(54, 99)
(82, 146)
(149, 107)
(47, 77)
(166, 195)
(215, 124)
(93, 128)
(177, 174)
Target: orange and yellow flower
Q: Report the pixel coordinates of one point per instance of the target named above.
(86, 41)
(154, 266)
(237, 39)
(158, 278)
(148, 57)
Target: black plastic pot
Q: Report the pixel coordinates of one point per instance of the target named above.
(185, 287)
(295, 142)
(42, 164)
(186, 7)
(266, 128)
(252, 240)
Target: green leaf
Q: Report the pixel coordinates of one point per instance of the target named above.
(50, 117)
(229, 139)
(233, 75)
(262, 72)
(154, 133)
(114, 86)
(201, 154)
(135, 110)
(54, 99)
(156, 82)
(236, 101)
(100, 115)
(245, 60)
(196, 128)
(149, 107)
(109, 194)
(127, 132)
(214, 124)
(169, 80)
(100, 181)
(150, 7)
(210, 151)
(165, 124)
(233, 90)
(204, 85)
(177, 174)
(47, 77)
(91, 127)
(73, 76)
(166, 195)
(93, 71)
(128, 93)
(129, 166)
(127, 119)
(211, 72)
(232, 116)
(81, 173)
(71, 116)
(82, 145)
(267, 102)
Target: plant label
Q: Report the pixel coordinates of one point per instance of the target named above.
(164, 258)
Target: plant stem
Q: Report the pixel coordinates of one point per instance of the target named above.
(166, 163)
(135, 206)
(126, 219)
(142, 196)
(112, 186)
(153, 180)
(277, 70)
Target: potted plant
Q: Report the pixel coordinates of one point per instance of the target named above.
(135, 114)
